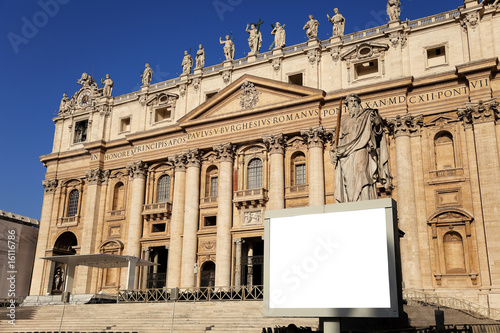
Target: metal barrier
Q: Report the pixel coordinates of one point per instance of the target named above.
(472, 309)
(203, 294)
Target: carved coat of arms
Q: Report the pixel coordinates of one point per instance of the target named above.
(249, 95)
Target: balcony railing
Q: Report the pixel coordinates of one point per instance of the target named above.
(297, 189)
(251, 197)
(160, 209)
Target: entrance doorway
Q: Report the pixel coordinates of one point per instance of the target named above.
(64, 245)
(157, 275)
(252, 262)
(207, 274)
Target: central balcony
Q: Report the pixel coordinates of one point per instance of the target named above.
(250, 198)
(161, 211)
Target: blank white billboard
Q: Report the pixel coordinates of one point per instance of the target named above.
(335, 261)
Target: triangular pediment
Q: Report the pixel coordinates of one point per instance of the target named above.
(440, 121)
(250, 94)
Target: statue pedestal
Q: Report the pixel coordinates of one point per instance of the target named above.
(335, 39)
(312, 42)
(251, 57)
(394, 24)
(144, 89)
(227, 63)
(277, 51)
(198, 71)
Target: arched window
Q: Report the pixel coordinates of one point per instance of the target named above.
(212, 181)
(298, 169)
(255, 173)
(74, 195)
(444, 151)
(454, 253)
(163, 189)
(118, 196)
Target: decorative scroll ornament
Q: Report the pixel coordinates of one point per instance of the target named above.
(313, 56)
(196, 83)
(193, 158)
(50, 185)
(335, 53)
(96, 176)
(225, 152)
(275, 144)
(249, 95)
(179, 162)
(226, 76)
(276, 64)
(470, 21)
(405, 125)
(479, 112)
(315, 137)
(137, 169)
(398, 37)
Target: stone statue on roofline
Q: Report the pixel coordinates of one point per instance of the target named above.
(200, 57)
(279, 35)
(338, 23)
(311, 28)
(360, 155)
(393, 10)
(65, 104)
(147, 75)
(187, 63)
(255, 37)
(108, 86)
(228, 48)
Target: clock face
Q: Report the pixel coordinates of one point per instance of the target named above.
(84, 98)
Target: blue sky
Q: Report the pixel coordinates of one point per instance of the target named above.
(45, 46)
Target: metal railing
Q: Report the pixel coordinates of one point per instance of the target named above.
(201, 294)
(414, 297)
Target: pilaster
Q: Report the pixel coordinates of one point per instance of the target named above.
(276, 146)
(177, 222)
(315, 138)
(191, 209)
(225, 154)
(403, 127)
(137, 172)
(50, 187)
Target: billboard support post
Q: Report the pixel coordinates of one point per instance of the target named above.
(329, 325)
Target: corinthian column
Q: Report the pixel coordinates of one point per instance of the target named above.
(276, 147)
(403, 127)
(95, 178)
(315, 166)
(224, 215)
(137, 172)
(191, 209)
(177, 222)
(482, 116)
(43, 233)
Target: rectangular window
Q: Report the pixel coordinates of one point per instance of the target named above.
(158, 227)
(436, 56)
(300, 174)
(81, 131)
(210, 221)
(366, 69)
(125, 124)
(162, 114)
(214, 183)
(296, 79)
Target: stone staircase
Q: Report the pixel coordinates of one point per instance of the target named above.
(188, 317)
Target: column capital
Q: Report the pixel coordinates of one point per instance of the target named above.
(225, 152)
(179, 162)
(96, 176)
(137, 169)
(275, 143)
(405, 125)
(477, 113)
(50, 185)
(315, 137)
(193, 158)
(238, 241)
